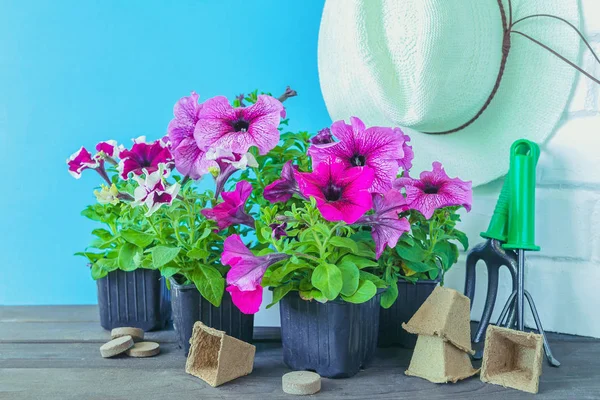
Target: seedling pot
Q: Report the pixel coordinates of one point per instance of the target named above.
(334, 339)
(138, 299)
(189, 307)
(217, 358)
(410, 298)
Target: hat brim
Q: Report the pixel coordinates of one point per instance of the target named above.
(534, 92)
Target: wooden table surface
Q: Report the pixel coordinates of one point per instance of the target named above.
(52, 353)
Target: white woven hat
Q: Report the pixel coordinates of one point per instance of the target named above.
(431, 65)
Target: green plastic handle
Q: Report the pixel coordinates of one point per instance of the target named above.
(524, 156)
(498, 228)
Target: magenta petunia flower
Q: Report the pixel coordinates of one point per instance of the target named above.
(232, 210)
(342, 194)
(283, 189)
(386, 227)
(406, 162)
(190, 159)
(377, 147)
(152, 190)
(238, 129)
(246, 273)
(80, 161)
(109, 148)
(322, 137)
(144, 156)
(228, 163)
(435, 190)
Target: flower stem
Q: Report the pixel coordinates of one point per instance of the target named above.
(102, 172)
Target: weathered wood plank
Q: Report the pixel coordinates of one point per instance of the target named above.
(66, 313)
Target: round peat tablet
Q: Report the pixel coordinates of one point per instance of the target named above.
(301, 383)
(116, 346)
(144, 349)
(136, 333)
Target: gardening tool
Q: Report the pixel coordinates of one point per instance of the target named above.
(510, 233)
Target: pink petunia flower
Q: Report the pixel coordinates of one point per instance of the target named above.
(377, 147)
(228, 163)
(342, 194)
(283, 189)
(238, 129)
(80, 161)
(384, 222)
(152, 190)
(246, 273)
(190, 159)
(144, 156)
(322, 137)
(435, 190)
(406, 162)
(108, 148)
(232, 210)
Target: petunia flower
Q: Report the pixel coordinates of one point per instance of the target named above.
(279, 230)
(238, 129)
(107, 194)
(435, 190)
(406, 162)
(190, 159)
(232, 210)
(386, 226)
(144, 156)
(246, 273)
(322, 137)
(227, 163)
(80, 161)
(377, 147)
(152, 190)
(283, 189)
(342, 194)
(108, 148)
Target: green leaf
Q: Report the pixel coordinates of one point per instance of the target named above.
(462, 238)
(350, 277)
(128, 255)
(210, 283)
(280, 273)
(389, 296)
(279, 292)
(447, 253)
(419, 266)
(102, 234)
(90, 213)
(107, 264)
(161, 255)
(204, 235)
(410, 253)
(345, 243)
(380, 283)
(328, 279)
(366, 290)
(168, 271)
(313, 294)
(361, 262)
(98, 272)
(92, 257)
(197, 254)
(138, 238)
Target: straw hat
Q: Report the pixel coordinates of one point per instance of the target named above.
(432, 65)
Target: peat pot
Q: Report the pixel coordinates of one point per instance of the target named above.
(189, 306)
(335, 339)
(138, 298)
(410, 298)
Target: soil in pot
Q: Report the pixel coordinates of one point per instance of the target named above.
(410, 297)
(189, 306)
(138, 299)
(335, 339)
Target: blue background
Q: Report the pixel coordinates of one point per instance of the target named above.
(73, 73)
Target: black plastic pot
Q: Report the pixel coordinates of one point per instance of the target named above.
(137, 298)
(410, 297)
(189, 306)
(334, 339)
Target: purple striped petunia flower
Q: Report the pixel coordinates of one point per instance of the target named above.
(80, 161)
(238, 129)
(435, 190)
(378, 148)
